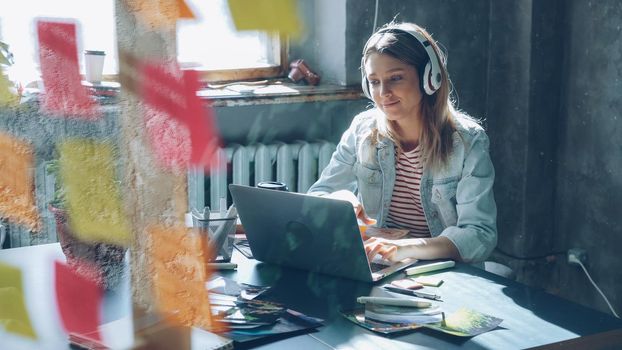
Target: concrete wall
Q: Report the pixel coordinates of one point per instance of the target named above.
(589, 168)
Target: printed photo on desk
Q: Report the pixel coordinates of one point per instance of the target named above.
(237, 307)
(387, 320)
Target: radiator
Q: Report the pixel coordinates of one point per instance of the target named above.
(296, 164)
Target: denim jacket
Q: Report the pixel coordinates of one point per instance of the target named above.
(457, 200)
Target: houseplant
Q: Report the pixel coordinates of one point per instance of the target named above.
(102, 263)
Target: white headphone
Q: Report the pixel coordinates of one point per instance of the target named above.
(431, 77)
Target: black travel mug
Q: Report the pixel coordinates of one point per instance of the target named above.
(273, 185)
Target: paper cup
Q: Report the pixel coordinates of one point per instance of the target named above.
(94, 65)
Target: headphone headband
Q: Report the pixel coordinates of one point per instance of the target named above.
(431, 77)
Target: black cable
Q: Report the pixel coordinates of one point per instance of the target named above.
(502, 252)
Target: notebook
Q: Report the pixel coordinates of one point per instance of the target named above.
(307, 232)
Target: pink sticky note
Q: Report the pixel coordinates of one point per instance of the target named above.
(58, 55)
(79, 301)
(13, 314)
(171, 93)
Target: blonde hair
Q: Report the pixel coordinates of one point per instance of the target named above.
(436, 135)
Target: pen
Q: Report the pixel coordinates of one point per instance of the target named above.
(412, 292)
(394, 302)
(222, 266)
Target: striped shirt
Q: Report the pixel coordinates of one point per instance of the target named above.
(406, 211)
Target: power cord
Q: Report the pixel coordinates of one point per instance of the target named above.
(375, 18)
(578, 262)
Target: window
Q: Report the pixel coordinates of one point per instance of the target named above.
(96, 31)
(210, 43)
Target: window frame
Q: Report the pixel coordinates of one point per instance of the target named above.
(256, 73)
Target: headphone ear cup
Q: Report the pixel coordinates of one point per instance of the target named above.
(365, 86)
(426, 79)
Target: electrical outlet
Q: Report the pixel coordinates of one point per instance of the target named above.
(576, 255)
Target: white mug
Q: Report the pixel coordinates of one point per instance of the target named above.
(94, 65)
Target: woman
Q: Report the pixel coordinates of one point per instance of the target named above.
(414, 161)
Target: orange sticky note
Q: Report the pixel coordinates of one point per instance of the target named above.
(184, 11)
(17, 199)
(159, 13)
(179, 271)
(267, 15)
(13, 314)
(87, 170)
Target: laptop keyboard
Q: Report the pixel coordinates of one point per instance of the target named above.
(375, 267)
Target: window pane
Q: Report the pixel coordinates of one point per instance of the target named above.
(96, 31)
(213, 43)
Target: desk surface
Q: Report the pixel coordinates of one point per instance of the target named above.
(531, 317)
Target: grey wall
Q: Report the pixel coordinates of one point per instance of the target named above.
(589, 171)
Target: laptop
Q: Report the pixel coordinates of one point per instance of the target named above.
(307, 232)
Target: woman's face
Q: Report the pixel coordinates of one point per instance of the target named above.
(394, 86)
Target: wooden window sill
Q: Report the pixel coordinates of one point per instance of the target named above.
(244, 95)
(238, 94)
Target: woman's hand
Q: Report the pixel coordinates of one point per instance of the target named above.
(391, 250)
(417, 248)
(346, 195)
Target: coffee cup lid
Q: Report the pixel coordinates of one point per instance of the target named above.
(94, 52)
(273, 185)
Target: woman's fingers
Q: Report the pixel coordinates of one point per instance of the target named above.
(389, 253)
(375, 246)
(361, 215)
(373, 251)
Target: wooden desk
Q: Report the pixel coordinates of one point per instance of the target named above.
(531, 317)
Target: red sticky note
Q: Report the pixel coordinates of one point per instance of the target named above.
(170, 139)
(13, 314)
(79, 302)
(58, 55)
(172, 92)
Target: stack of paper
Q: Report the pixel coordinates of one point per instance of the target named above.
(402, 314)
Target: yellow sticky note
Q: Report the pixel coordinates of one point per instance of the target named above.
(267, 15)
(13, 314)
(87, 170)
(7, 98)
(17, 198)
